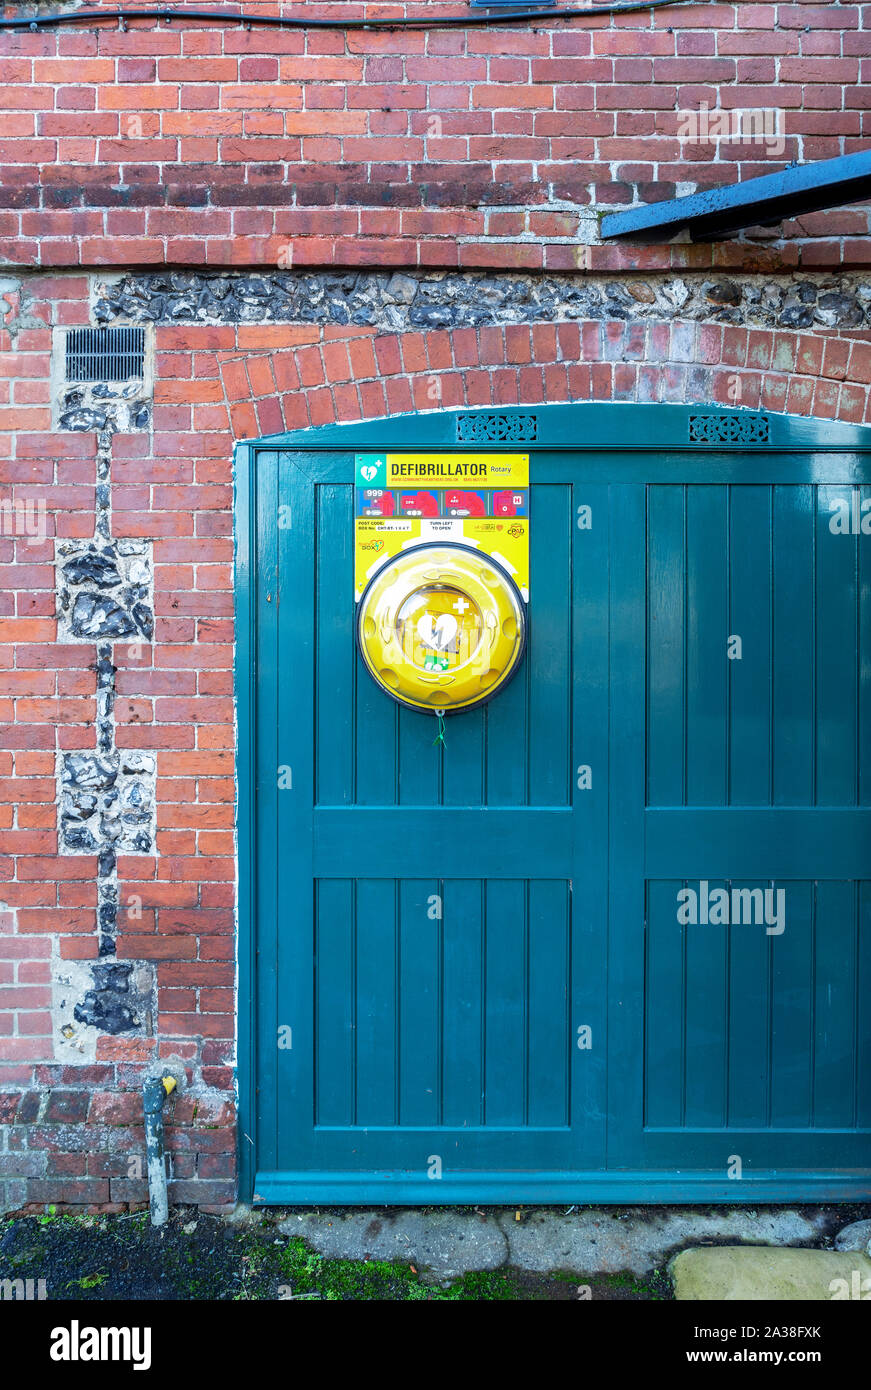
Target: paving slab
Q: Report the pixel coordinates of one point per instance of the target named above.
(639, 1240)
(450, 1242)
(856, 1236)
(727, 1273)
(447, 1244)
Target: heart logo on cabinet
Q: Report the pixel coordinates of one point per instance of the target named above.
(438, 633)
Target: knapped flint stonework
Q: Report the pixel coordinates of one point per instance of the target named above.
(397, 302)
(104, 594)
(94, 998)
(98, 405)
(107, 802)
(104, 591)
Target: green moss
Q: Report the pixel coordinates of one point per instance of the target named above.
(72, 1220)
(654, 1287)
(89, 1281)
(197, 1257)
(291, 1270)
(489, 1285)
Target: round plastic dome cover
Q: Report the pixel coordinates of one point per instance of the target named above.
(441, 627)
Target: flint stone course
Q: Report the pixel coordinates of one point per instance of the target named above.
(399, 302)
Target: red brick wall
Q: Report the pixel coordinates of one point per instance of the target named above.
(212, 146)
(71, 1133)
(481, 146)
(364, 377)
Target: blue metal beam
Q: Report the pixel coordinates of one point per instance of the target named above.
(762, 201)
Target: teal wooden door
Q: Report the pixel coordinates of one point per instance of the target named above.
(751, 722)
(502, 970)
(432, 957)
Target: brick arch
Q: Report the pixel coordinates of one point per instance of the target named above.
(342, 375)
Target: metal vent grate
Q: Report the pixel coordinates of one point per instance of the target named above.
(483, 428)
(105, 354)
(729, 429)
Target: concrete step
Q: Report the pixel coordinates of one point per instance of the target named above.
(728, 1272)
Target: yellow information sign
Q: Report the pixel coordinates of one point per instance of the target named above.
(476, 500)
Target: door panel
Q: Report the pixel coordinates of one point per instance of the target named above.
(753, 785)
(782, 725)
(400, 967)
(743, 1034)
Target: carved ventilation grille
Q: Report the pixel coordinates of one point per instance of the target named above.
(105, 354)
(729, 429)
(502, 429)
